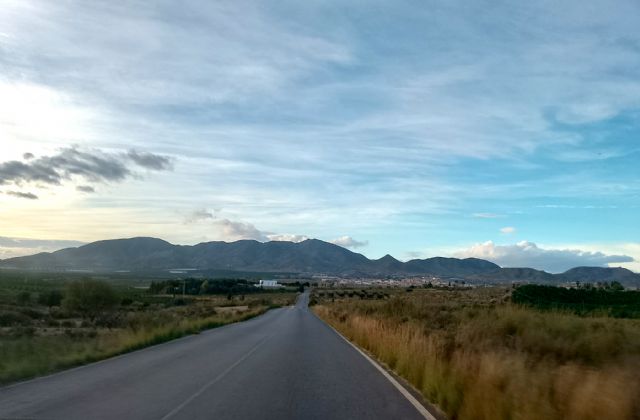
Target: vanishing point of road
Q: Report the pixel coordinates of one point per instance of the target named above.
(285, 364)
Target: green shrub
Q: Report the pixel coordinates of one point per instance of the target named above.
(90, 298)
(11, 318)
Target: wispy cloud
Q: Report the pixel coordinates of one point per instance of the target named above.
(150, 160)
(508, 230)
(85, 189)
(487, 215)
(19, 194)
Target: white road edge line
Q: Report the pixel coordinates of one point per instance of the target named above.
(213, 381)
(421, 408)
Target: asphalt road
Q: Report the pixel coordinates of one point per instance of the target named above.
(286, 364)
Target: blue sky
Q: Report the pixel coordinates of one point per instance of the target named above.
(416, 128)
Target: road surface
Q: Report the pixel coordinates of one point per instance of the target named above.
(286, 364)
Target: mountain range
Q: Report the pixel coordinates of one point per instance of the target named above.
(311, 256)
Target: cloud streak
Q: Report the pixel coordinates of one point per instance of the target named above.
(150, 160)
(19, 194)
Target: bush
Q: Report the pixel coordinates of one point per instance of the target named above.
(611, 300)
(10, 318)
(23, 298)
(50, 298)
(90, 298)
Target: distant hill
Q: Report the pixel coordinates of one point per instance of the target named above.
(579, 274)
(310, 256)
(510, 275)
(451, 267)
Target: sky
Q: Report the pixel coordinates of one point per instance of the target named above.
(492, 129)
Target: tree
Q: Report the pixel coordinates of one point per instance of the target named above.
(23, 298)
(50, 298)
(204, 287)
(616, 286)
(91, 298)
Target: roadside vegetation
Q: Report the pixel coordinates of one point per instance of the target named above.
(479, 355)
(606, 300)
(48, 324)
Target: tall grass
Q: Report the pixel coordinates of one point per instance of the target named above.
(28, 356)
(480, 361)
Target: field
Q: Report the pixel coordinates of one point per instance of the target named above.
(39, 335)
(477, 355)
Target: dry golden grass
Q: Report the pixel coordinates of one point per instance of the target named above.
(480, 360)
(48, 349)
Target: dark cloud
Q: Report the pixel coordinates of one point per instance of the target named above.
(93, 166)
(85, 188)
(18, 172)
(19, 194)
(72, 162)
(27, 156)
(150, 161)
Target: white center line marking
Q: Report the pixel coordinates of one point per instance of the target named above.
(213, 381)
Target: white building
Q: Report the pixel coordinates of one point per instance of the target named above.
(269, 283)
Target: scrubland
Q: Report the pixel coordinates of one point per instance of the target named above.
(39, 334)
(476, 355)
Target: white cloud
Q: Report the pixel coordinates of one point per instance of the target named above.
(287, 237)
(349, 242)
(528, 254)
(508, 230)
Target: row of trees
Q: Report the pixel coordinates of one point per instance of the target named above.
(584, 300)
(92, 299)
(193, 286)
